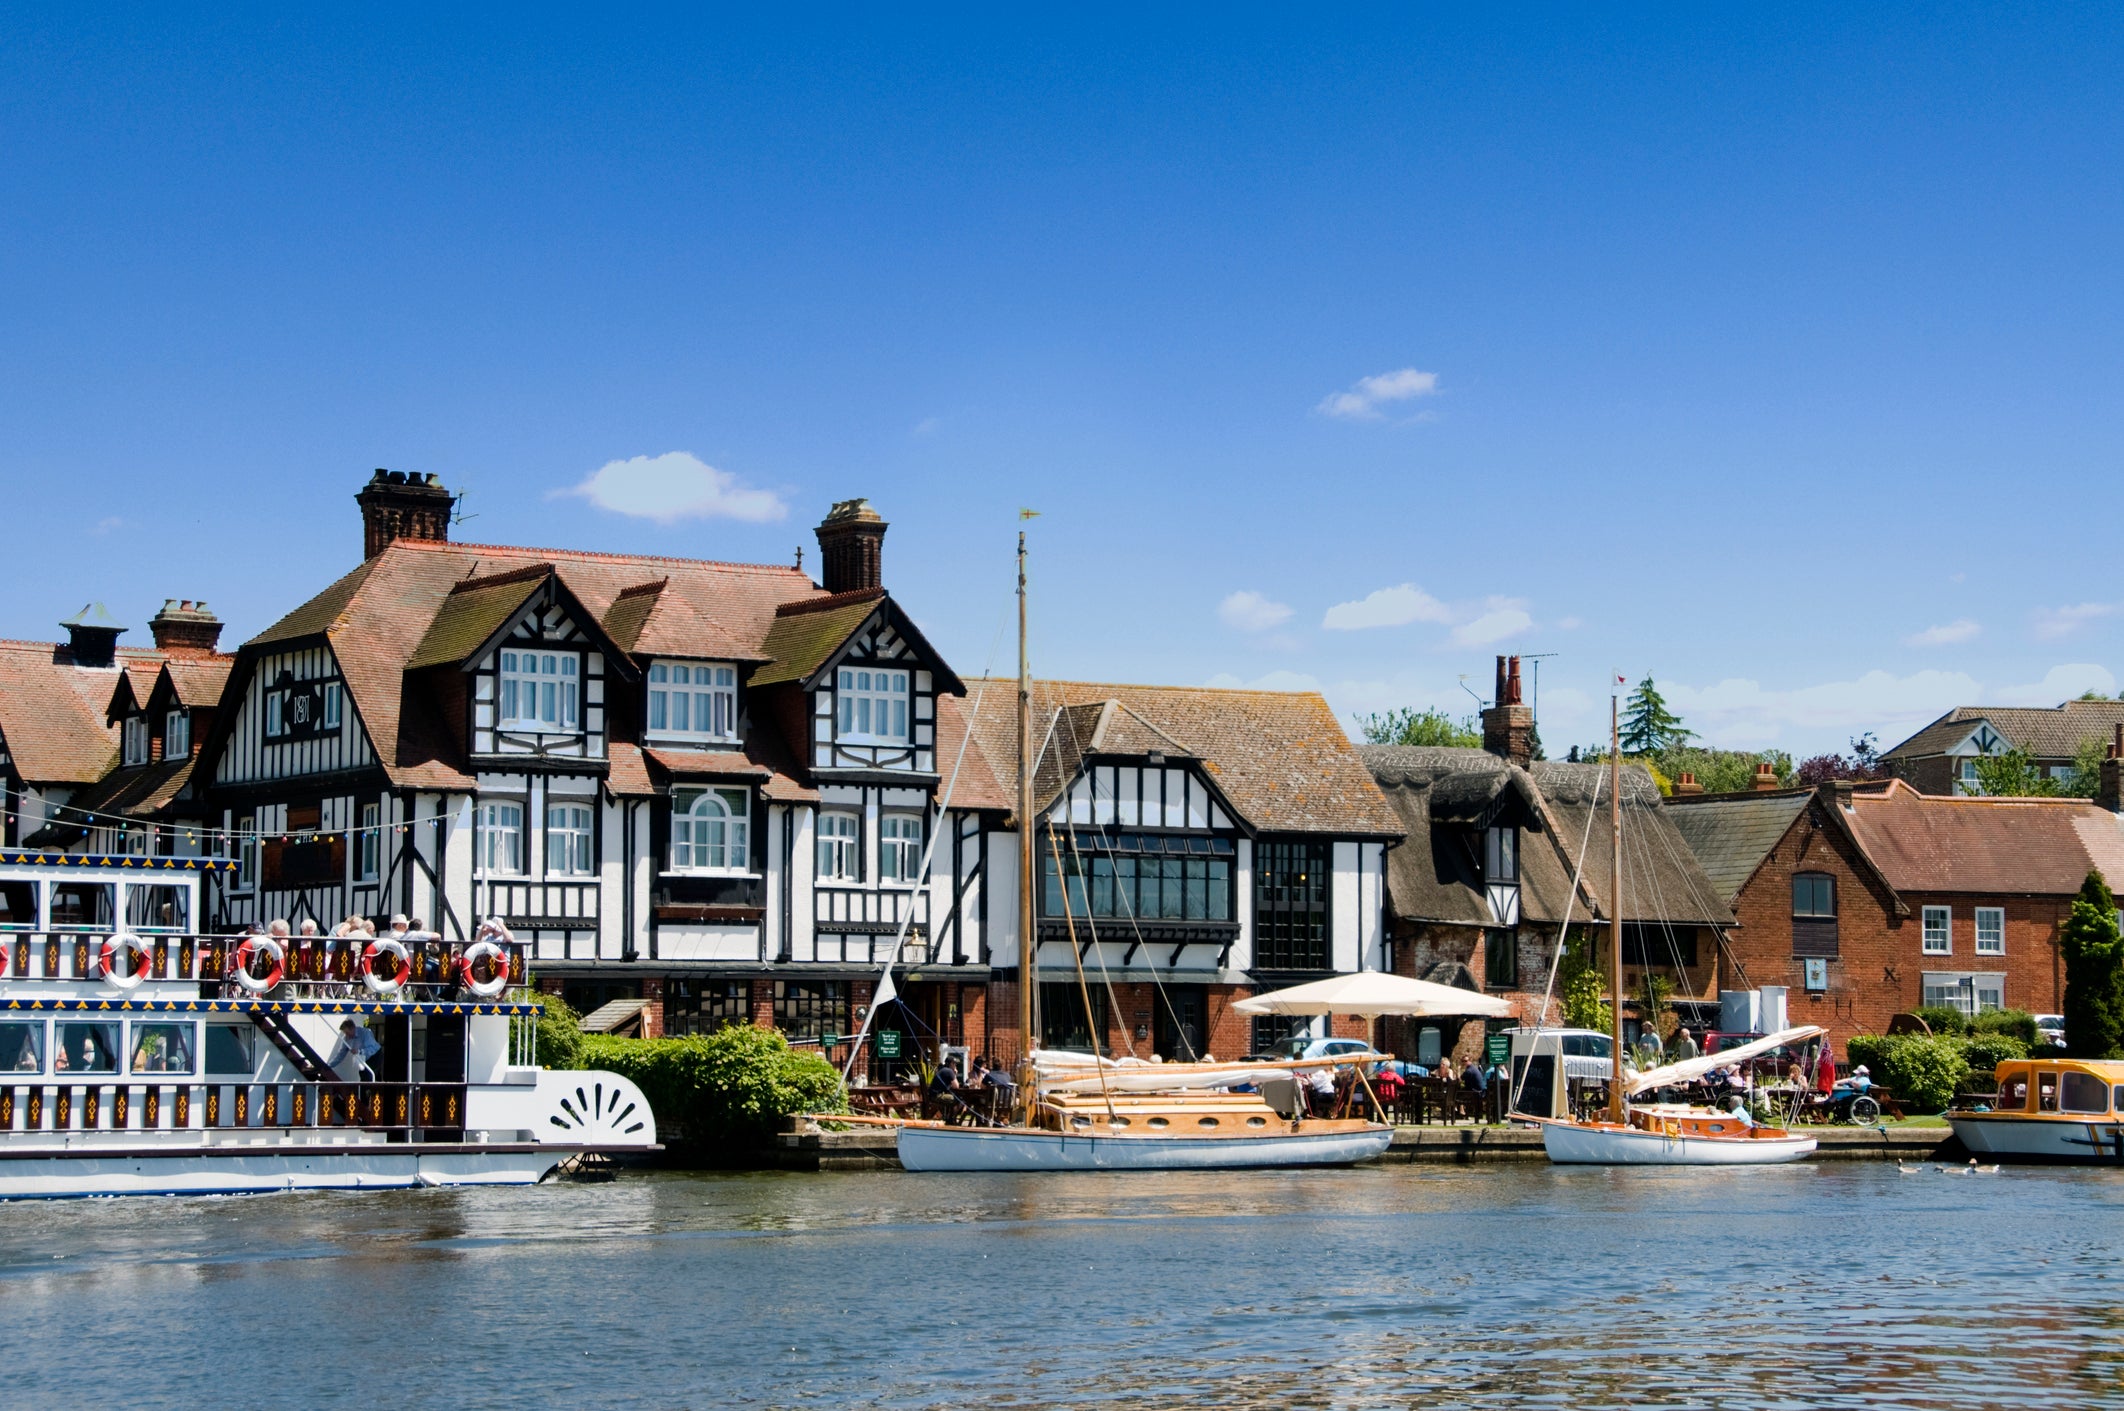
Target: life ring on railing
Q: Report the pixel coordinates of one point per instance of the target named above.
(498, 959)
(240, 965)
(396, 949)
(121, 972)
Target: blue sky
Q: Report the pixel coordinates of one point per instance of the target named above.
(1774, 354)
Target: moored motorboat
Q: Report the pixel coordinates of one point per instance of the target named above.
(2050, 1109)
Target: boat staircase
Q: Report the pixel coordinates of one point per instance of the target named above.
(306, 1060)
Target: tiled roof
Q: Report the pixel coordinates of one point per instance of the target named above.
(1280, 757)
(136, 791)
(1990, 846)
(475, 610)
(1662, 879)
(650, 620)
(1731, 834)
(804, 635)
(2046, 732)
(379, 619)
(52, 713)
(197, 680)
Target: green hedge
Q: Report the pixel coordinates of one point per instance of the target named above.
(1943, 1019)
(736, 1084)
(2016, 1023)
(1924, 1074)
(1986, 1051)
(560, 1033)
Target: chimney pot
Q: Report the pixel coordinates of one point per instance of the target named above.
(1507, 725)
(1765, 775)
(851, 547)
(185, 628)
(397, 505)
(1687, 784)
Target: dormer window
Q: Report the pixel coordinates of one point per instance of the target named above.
(692, 702)
(1500, 855)
(177, 734)
(540, 691)
(710, 831)
(136, 740)
(872, 705)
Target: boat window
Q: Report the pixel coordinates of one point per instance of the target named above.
(2046, 1092)
(2118, 1095)
(18, 906)
(85, 1046)
(1205, 1121)
(2013, 1092)
(22, 1046)
(229, 1048)
(162, 1048)
(1257, 1121)
(81, 905)
(155, 906)
(1159, 1123)
(2084, 1092)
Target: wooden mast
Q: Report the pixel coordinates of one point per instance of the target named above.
(1026, 942)
(1615, 922)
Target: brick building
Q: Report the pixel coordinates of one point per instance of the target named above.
(1867, 900)
(1941, 758)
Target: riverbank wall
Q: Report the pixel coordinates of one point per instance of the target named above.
(873, 1148)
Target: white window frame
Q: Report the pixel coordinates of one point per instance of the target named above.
(368, 843)
(548, 681)
(900, 848)
(331, 705)
(1970, 991)
(873, 705)
(245, 845)
(692, 692)
(177, 734)
(276, 704)
(1966, 776)
(840, 847)
(697, 816)
(136, 740)
(501, 838)
(1995, 943)
(571, 840)
(1937, 931)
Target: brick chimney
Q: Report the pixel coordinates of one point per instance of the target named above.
(1508, 725)
(185, 628)
(1687, 784)
(2110, 792)
(852, 547)
(1765, 776)
(92, 636)
(398, 505)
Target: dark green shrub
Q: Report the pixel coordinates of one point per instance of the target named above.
(1943, 1019)
(1986, 1051)
(1923, 1073)
(737, 1083)
(2018, 1023)
(2094, 974)
(1871, 1050)
(560, 1033)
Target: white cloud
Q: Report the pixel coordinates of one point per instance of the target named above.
(1500, 618)
(927, 426)
(1569, 624)
(106, 525)
(1740, 713)
(675, 486)
(1273, 681)
(2053, 623)
(1387, 607)
(1250, 611)
(1944, 634)
(2060, 683)
(1363, 401)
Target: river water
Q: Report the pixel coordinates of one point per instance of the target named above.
(1521, 1286)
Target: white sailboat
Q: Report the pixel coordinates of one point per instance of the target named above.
(1662, 1134)
(1081, 1112)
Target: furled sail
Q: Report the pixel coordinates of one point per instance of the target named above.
(1690, 1069)
(1080, 1073)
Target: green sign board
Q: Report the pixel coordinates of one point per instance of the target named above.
(888, 1043)
(1497, 1049)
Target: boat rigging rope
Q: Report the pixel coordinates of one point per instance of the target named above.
(1083, 990)
(1563, 932)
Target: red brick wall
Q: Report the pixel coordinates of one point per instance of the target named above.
(2035, 968)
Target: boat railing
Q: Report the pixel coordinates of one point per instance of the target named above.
(313, 965)
(402, 1111)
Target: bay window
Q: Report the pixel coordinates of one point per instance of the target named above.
(873, 704)
(539, 691)
(697, 702)
(711, 830)
(1156, 879)
(568, 840)
(840, 848)
(501, 837)
(899, 847)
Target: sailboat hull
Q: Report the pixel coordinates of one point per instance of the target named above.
(1019, 1149)
(1602, 1144)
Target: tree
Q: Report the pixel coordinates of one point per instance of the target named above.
(1722, 771)
(1579, 982)
(1409, 726)
(2086, 780)
(1864, 762)
(1647, 725)
(2094, 973)
(2010, 775)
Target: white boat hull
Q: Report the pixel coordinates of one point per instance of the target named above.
(255, 1173)
(1016, 1149)
(2040, 1139)
(1570, 1144)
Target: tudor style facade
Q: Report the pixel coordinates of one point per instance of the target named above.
(1942, 757)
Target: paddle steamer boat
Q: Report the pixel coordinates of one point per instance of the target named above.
(139, 1056)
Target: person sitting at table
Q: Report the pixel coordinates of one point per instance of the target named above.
(1445, 1070)
(1320, 1083)
(1860, 1081)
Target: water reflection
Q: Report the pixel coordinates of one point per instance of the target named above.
(1514, 1286)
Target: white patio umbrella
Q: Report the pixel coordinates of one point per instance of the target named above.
(1372, 993)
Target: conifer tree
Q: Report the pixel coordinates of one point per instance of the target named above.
(2094, 974)
(1647, 725)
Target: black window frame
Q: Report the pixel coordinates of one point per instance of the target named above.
(1500, 957)
(800, 1006)
(1500, 865)
(1814, 932)
(1196, 879)
(1650, 944)
(1062, 1020)
(703, 1006)
(1294, 888)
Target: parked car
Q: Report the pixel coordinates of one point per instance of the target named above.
(1306, 1046)
(2050, 1029)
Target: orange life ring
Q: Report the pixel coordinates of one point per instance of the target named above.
(118, 972)
(498, 961)
(241, 965)
(396, 949)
